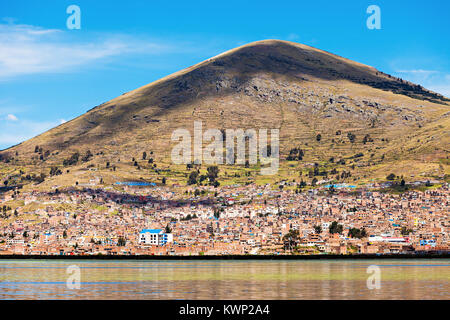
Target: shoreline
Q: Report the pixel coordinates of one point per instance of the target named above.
(444, 255)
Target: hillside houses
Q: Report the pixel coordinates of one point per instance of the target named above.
(239, 220)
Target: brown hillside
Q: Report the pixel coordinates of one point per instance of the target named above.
(301, 90)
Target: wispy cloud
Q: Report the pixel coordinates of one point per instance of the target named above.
(29, 50)
(418, 72)
(434, 80)
(11, 117)
(14, 132)
(26, 49)
(16, 125)
(293, 36)
(443, 87)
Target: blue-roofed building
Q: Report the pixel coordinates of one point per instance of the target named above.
(430, 242)
(154, 237)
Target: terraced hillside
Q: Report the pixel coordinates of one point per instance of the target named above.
(346, 117)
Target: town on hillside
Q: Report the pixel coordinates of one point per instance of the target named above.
(150, 219)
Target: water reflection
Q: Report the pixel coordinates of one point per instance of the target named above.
(253, 279)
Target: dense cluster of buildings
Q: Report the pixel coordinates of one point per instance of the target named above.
(252, 219)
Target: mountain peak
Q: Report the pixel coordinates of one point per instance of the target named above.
(298, 89)
(289, 60)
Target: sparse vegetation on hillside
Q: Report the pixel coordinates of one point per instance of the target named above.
(355, 123)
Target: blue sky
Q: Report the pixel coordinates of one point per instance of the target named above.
(50, 74)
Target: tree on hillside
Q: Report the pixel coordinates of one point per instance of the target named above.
(121, 242)
(87, 156)
(295, 154)
(351, 137)
(391, 177)
(192, 178)
(54, 171)
(357, 233)
(367, 138)
(72, 160)
(332, 189)
(290, 239)
(213, 173)
(335, 228)
(302, 184)
(405, 231)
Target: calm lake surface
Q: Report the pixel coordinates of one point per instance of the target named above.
(224, 279)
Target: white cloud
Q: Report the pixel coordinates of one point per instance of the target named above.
(11, 117)
(9, 106)
(436, 81)
(418, 71)
(61, 121)
(443, 89)
(15, 132)
(26, 49)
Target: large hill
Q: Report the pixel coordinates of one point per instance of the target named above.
(370, 123)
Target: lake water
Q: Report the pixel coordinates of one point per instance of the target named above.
(225, 279)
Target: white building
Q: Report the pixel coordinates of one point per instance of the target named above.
(387, 238)
(154, 237)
